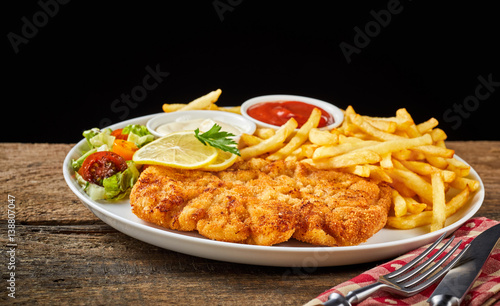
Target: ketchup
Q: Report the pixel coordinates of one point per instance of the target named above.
(278, 113)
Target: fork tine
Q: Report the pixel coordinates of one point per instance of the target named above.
(441, 273)
(412, 263)
(436, 266)
(424, 264)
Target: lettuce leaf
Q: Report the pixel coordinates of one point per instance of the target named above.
(119, 185)
(139, 130)
(94, 191)
(101, 139)
(140, 141)
(138, 134)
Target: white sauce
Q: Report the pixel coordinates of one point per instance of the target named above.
(191, 125)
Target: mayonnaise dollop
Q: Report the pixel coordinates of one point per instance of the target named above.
(191, 125)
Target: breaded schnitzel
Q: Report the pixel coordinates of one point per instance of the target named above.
(263, 202)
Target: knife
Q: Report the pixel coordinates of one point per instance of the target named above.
(455, 285)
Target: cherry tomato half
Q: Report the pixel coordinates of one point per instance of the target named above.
(118, 134)
(100, 165)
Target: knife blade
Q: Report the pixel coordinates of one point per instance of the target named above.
(455, 285)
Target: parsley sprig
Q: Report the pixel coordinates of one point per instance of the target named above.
(218, 139)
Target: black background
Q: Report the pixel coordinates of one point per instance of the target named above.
(428, 58)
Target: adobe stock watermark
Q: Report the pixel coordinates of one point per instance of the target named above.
(364, 35)
(48, 9)
(11, 246)
(138, 94)
(223, 6)
(459, 111)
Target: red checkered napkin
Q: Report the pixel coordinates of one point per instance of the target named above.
(485, 291)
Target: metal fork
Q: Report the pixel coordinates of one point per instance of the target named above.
(405, 281)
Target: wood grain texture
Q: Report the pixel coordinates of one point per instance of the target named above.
(66, 255)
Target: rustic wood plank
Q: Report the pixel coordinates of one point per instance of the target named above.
(33, 174)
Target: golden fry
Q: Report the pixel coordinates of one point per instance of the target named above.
(323, 138)
(235, 109)
(250, 140)
(438, 135)
(383, 125)
(168, 108)
(371, 130)
(347, 160)
(300, 137)
(400, 144)
(414, 182)
(423, 168)
(435, 151)
(331, 151)
(458, 167)
(377, 173)
(347, 127)
(414, 207)
(427, 126)
(308, 150)
(399, 202)
(405, 154)
(386, 161)
(436, 161)
(203, 102)
(264, 133)
(457, 202)
(438, 202)
(463, 183)
(410, 221)
(359, 170)
(271, 144)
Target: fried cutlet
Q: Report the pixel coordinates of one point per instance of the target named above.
(263, 202)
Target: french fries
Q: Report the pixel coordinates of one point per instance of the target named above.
(438, 202)
(206, 102)
(300, 137)
(323, 138)
(412, 158)
(272, 143)
(399, 204)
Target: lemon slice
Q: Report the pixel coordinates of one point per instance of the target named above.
(178, 150)
(223, 161)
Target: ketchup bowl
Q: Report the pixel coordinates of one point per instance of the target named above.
(272, 111)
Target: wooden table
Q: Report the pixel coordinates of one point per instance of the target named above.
(65, 255)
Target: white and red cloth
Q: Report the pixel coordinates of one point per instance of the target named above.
(485, 291)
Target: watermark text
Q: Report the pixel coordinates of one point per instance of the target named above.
(470, 104)
(138, 94)
(223, 6)
(48, 9)
(364, 35)
(11, 246)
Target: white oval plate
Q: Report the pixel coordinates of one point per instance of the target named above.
(387, 243)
